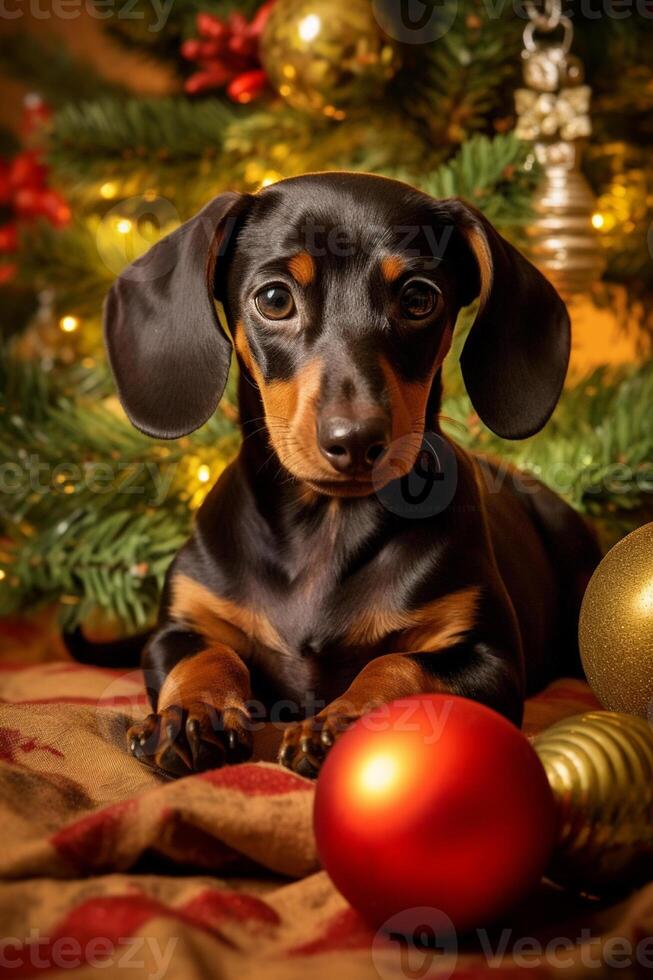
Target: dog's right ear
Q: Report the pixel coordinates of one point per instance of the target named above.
(168, 352)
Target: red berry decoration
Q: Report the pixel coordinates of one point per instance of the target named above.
(227, 54)
(434, 801)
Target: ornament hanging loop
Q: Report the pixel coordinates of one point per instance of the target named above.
(532, 27)
(546, 20)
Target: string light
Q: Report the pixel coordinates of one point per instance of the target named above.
(69, 323)
(270, 178)
(597, 220)
(124, 226)
(3, 574)
(108, 190)
(203, 473)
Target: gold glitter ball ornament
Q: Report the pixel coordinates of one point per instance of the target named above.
(616, 626)
(600, 768)
(327, 56)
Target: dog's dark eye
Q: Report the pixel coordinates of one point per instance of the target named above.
(275, 303)
(419, 299)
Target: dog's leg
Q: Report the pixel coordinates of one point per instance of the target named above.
(468, 670)
(199, 693)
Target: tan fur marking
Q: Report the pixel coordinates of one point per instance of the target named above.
(435, 626)
(221, 620)
(382, 680)
(242, 347)
(479, 246)
(408, 405)
(392, 267)
(215, 676)
(302, 268)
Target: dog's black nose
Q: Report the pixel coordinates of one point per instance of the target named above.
(353, 445)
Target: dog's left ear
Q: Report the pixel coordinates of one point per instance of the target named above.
(169, 354)
(516, 356)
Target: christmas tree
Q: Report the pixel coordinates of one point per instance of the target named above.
(92, 511)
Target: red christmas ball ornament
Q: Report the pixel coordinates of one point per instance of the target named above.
(436, 802)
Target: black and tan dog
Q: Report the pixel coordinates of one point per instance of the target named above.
(341, 293)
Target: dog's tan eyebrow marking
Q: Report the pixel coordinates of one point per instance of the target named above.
(392, 267)
(302, 268)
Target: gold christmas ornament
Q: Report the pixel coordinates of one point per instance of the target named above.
(327, 56)
(553, 112)
(600, 768)
(616, 626)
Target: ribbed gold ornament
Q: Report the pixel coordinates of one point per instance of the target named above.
(562, 241)
(616, 626)
(600, 767)
(327, 56)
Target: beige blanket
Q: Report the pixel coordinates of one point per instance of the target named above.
(107, 869)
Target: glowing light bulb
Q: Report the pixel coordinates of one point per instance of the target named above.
(3, 574)
(310, 27)
(203, 473)
(597, 220)
(124, 226)
(109, 190)
(69, 323)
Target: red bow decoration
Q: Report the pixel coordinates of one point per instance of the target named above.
(227, 52)
(25, 195)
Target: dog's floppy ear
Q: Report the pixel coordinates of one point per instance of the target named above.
(516, 356)
(169, 355)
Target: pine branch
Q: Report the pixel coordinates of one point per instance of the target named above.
(461, 82)
(597, 450)
(97, 510)
(497, 175)
(166, 130)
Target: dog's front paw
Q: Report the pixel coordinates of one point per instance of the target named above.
(305, 743)
(181, 740)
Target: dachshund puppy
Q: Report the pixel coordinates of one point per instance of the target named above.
(315, 579)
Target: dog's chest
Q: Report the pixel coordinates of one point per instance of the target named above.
(336, 610)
